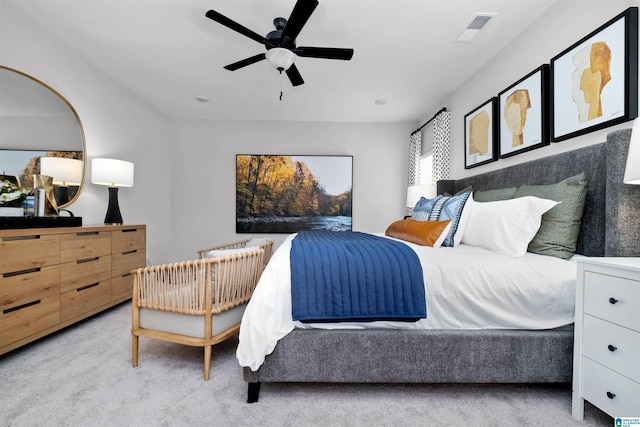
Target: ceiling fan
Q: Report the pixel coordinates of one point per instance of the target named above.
(281, 43)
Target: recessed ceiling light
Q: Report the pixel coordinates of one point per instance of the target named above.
(202, 98)
(381, 101)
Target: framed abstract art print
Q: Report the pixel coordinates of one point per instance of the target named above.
(523, 109)
(480, 139)
(594, 83)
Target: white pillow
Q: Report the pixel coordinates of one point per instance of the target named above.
(221, 252)
(505, 226)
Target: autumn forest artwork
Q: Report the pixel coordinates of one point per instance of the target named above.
(286, 194)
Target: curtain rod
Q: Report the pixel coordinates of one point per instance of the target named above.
(429, 121)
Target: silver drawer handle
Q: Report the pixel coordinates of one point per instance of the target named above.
(613, 300)
(610, 395)
(612, 347)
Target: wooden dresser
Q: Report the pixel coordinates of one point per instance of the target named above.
(606, 364)
(51, 278)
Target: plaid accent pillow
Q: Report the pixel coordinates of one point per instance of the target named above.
(442, 208)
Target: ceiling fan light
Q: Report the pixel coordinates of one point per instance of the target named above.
(280, 58)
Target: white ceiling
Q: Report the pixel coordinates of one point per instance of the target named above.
(167, 53)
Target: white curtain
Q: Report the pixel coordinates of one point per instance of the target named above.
(441, 146)
(415, 152)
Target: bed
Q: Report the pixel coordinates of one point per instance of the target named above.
(467, 355)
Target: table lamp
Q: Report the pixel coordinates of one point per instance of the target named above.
(64, 171)
(414, 192)
(114, 173)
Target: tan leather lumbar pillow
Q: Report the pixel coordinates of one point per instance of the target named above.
(424, 233)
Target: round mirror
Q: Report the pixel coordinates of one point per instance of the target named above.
(38, 123)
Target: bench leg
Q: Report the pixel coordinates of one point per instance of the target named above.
(253, 392)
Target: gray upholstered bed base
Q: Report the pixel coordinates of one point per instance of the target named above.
(610, 227)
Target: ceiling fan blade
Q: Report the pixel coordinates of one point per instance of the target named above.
(294, 75)
(324, 52)
(245, 62)
(299, 16)
(221, 19)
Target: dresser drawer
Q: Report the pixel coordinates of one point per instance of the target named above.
(121, 287)
(598, 381)
(28, 251)
(613, 346)
(28, 285)
(84, 244)
(79, 301)
(20, 321)
(84, 272)
(127, 239)
(123, 263)
(612, 298)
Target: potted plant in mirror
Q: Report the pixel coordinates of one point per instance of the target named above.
(11, 198)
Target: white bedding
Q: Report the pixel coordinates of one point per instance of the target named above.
(466, 288)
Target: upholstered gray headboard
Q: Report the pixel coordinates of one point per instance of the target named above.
(611, 220)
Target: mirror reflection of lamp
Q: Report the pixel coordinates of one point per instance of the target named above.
(114, 173)
(65, 172)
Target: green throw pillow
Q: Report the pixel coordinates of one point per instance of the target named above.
(495, 195)
(558, 234)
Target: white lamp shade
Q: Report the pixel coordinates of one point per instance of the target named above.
(280, 58)
(116, 173)
(63, 171)
(414, 192)
(632, 171)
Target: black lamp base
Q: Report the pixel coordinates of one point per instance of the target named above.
(113, 210)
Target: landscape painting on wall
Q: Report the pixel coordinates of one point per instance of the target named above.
(287, 194)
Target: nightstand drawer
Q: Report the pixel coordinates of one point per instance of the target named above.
(615, 394)
(84, 299)
(612, 298)
(613, 346)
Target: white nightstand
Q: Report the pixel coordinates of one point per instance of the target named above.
(606, 355)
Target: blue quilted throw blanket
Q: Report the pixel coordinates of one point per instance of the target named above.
(350, 276)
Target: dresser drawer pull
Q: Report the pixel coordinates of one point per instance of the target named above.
(610, 395)
(129, 230)
(87, 233)
(130, 252)
(18, 273)
(19, 307)
(93, 285)
(613, 300)
(13, 238)
(80, 261)
(612, 347)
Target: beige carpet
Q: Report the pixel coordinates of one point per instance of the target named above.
(82, 376)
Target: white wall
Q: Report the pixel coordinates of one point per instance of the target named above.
(204, 177)
(115, 123)
(560, 27)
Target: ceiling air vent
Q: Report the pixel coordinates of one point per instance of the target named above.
(477, 23)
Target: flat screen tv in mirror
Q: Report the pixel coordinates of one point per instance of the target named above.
(36, 121)
(287, 194)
